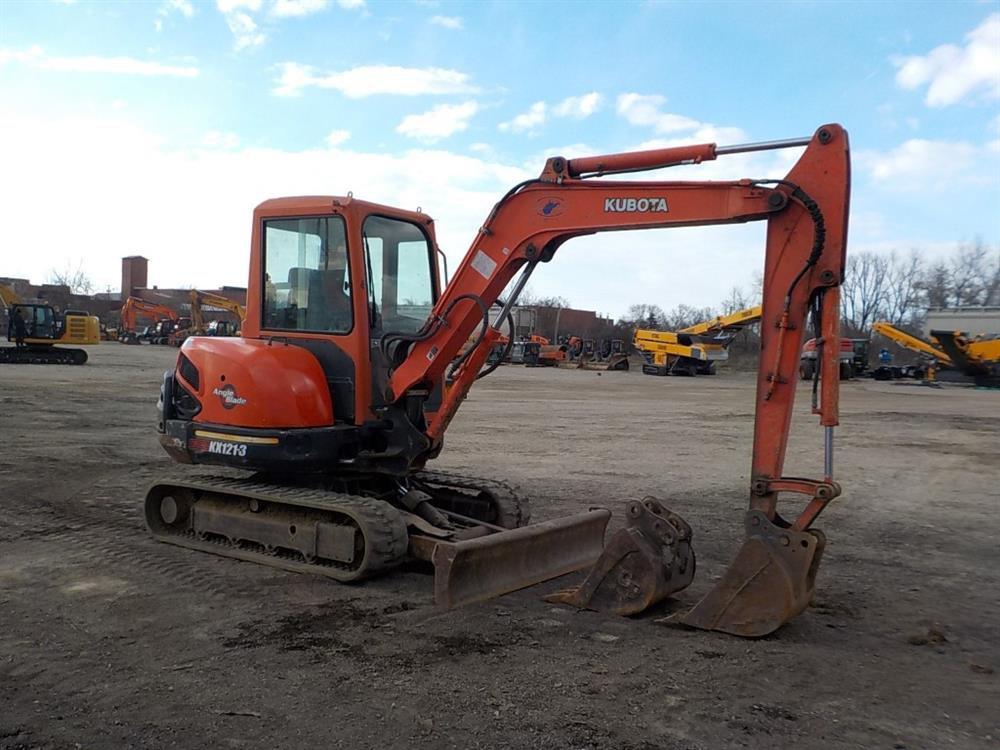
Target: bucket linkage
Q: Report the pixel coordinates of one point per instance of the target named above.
(643, 563)
(770, 581)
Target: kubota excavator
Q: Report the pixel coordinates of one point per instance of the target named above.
(347, 375)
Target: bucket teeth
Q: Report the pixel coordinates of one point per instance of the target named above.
(642, 564)
(770, 581)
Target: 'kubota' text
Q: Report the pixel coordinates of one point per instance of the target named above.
(635, 205)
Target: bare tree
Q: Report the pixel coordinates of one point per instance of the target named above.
(904, 295)
(528, 298)
(936, 285)
(967, 267)
(971, 276)
(683, 316)
(991, 278)
(644, 316)
(865, 289)
(77, 280)
(736, 299)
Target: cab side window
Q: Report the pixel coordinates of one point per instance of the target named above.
(400, 274)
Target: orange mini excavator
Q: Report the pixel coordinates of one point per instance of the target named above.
(347, 373)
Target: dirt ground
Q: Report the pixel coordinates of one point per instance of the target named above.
(108, 639)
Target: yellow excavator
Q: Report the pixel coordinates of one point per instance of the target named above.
(200, 327)
(693, 350)
(36, 328)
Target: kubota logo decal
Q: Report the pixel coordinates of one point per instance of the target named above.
(549, 207)
(228, 396)
(635, 205)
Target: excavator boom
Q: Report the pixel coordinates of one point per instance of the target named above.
(731, 321)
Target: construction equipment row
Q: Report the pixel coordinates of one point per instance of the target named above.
(693, 350)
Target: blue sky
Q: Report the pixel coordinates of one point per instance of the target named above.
(155, 127)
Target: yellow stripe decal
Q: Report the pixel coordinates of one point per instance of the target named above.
(236, 438)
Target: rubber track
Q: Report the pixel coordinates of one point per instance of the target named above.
(514, 510)
(386, 538)
(11, 355)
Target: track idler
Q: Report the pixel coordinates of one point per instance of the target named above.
(643, 563)
(771, 581)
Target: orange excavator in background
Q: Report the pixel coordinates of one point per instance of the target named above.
(135, 307)
(347, 374)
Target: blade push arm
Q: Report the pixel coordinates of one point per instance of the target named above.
(806, 214)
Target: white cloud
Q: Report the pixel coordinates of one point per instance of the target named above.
(228, 6)
(297, 8)
(245, 31)
(369, 80)
(448, 22)
(640, 109)
(351, 4)
(184, 7)
(527, 121)
(218, 139)
(437, 123)
(337, 137)
(917, 164)
(953, 73)
(36, 58)
(244, 28)
(111, 161)
(578, 107)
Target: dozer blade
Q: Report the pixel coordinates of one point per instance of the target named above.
(473, 570)
(646, 561)
(770, 582)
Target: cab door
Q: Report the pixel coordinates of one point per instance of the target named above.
(402, 286)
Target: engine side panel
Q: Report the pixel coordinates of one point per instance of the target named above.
(255, 383)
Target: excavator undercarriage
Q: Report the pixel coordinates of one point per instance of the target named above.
(470, 529)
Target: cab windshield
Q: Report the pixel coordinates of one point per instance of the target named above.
(306, 277)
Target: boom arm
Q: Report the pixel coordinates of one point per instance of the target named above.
(199, 298)
(736, 320)
(8, 296)
(904, 339)
(804, 265)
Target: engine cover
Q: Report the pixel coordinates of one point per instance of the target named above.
(254, 383)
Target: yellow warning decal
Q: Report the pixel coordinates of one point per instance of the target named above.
(236, 438)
